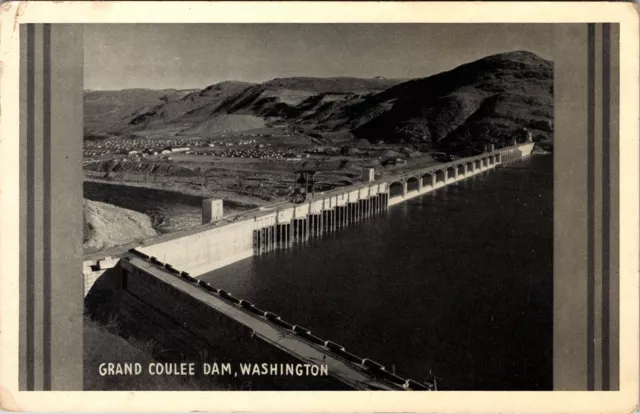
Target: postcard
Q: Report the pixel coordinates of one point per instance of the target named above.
(320, 207)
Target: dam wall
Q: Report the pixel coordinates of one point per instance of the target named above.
(150, 308)
(190, 316)
(207, 250)
(279, 226)
(273, 227)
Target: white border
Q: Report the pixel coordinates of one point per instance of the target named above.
(195, 12)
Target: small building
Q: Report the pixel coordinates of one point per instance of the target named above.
(368, 175)
(212, 210)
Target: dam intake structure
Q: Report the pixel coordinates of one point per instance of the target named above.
(316, 223)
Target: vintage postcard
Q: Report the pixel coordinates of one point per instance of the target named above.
(326, 207)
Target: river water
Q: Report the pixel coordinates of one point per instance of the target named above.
(458, 281)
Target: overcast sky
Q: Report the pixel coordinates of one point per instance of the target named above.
(186, 56)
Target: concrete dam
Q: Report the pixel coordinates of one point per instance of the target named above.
(231, 239)
(279, 226)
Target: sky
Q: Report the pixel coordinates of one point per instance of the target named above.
(190, 56)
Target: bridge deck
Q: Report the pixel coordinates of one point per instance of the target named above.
(305, 351)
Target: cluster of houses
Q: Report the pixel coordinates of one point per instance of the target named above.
(145, 147)
(137, 146)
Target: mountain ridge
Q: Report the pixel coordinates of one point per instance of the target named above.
(490, 99)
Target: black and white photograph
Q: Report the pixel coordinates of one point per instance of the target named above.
(375, 199)
(321, 206)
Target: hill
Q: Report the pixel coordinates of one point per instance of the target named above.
(108, 111)
(492, 99)
(488, 100)
(192, 108)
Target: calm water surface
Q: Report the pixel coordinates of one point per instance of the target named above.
(458, 281)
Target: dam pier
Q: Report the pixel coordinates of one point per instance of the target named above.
(172, 262)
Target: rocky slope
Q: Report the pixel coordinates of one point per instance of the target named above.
(107, 225)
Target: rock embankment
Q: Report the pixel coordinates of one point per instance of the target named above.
(108, 225)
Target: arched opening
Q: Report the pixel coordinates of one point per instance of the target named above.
(440, 177)
(396, 189)
(470, 167)
(461, 170)
(484, 162)
(477, 164)
(413, 184)
(451, 173)
(491, 160)
(427, 180)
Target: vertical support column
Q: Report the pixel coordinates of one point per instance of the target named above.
(261, 230)
(259, 244)
(297, 230)
(294, 230)
(324, 220)
(266, 239)
(267, 231)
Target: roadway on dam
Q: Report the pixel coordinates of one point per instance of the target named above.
(458, 281)
(274, 335)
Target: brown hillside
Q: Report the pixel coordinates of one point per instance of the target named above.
(488, 100)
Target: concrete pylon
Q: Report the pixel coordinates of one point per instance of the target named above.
(368, 175)
(211, 210)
